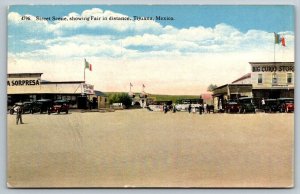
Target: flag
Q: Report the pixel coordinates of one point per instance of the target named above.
(277, 38)
(283, 41)
(87, 65)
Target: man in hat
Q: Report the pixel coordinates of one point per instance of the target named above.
(19, 111)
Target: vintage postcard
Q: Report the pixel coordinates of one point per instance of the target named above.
(185, 96)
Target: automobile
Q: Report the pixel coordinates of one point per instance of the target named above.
(27, 107)
(246, 105)
(285, 104)
(183, 104)
(59, 106)
(232, 107)
(270, 105)
(41, 105)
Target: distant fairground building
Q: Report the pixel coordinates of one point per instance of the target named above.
(139, 99)
(269, 80)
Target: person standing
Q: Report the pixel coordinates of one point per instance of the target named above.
(200, 109)
(174, 108)
(220, 105)
(19, 110)
(194, 110)
(204, 107)
(190, 108)
(263, 103)
(165, 109)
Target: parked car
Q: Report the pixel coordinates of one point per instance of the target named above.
(285, 104)
(246, 105)
(27, 107)
(232, 107)
(41, 106)
(271, 105)
(59, 106)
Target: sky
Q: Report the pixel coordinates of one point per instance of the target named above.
(201, 45)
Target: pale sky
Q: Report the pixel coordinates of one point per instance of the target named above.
(202, 45)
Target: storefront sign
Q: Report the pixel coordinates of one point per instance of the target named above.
(271, 68)
(20, 82)
(88, 89)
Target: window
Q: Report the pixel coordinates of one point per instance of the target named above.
(289, 78)
(32, 97)
(274, 79)
(259, 79)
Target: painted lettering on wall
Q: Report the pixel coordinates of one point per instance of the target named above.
(23, 82)
(273, 68)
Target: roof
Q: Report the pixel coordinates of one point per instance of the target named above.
(248, 75)
(285, 98)
(276, 63)
(44, 100)
(99, 93)
(62, 82)
(16, 75)
(225, 85)
(245, 98)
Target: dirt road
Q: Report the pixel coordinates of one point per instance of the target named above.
(138, 148)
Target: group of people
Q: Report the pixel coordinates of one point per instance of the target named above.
(203, 108)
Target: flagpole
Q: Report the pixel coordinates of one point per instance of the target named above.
(84, 71)
(274, 52)
(274, 45)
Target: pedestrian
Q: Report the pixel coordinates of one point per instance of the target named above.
(263, 103)
(19, 110)
(194, 110)
(220, 105)
(200, 109)
(204, 107)
(165, 108)
(174, 108)
(208, 107)
(190, 108)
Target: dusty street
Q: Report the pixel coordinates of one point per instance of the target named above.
(145, 149)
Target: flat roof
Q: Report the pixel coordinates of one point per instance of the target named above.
(232, 85)
(62, 82)
(23, 73)
(256, 63)
(15, 75)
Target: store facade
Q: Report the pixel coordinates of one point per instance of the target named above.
(23, 87)
(272, 79)
(268, 80)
